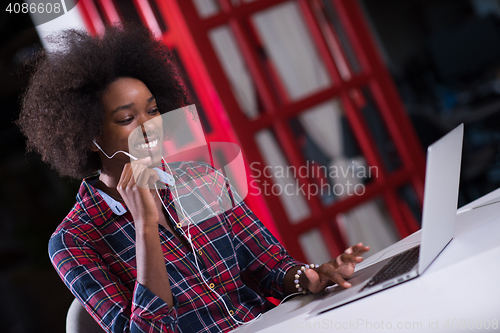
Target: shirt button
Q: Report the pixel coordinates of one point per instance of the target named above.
(200, 253)
(231, 312)
(212, 286)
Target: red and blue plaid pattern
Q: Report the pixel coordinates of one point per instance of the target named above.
(93, 250)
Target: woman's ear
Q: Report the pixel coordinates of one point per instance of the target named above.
(94, 146)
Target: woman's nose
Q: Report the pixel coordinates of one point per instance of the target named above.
(146, 129)
(149, 126)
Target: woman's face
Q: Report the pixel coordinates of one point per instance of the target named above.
(132, 122)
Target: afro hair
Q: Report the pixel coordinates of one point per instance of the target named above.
(61, 109)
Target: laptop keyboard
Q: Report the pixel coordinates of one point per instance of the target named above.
(398, 265)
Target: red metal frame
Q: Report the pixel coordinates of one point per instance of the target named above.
(147, 16)
(188, 34)
(109, 10)
(90, 16)
(384, 91)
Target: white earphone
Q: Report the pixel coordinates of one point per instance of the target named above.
(119, 151)
(188, 237)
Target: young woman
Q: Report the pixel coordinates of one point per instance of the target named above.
(121, 250)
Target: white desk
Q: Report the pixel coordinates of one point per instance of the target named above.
(459, 292)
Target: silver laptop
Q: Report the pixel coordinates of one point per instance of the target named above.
(438, 226)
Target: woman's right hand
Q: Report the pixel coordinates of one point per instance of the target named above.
(134, 188)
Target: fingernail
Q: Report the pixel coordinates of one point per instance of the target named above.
(347, 284)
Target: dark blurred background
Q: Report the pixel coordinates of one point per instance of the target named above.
(444, 56)
(33, 201)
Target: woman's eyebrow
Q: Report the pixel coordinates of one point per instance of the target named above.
(126, 106)
(130, 105)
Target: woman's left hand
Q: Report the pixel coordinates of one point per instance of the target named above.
(336, 270)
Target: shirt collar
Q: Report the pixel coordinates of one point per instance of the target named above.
(116, 206)
(99, 206)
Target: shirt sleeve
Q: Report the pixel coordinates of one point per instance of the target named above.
(105, 297)
(261, 256)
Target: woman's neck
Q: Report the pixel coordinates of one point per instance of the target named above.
(108, 183)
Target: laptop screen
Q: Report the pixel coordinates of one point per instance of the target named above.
(442, 178)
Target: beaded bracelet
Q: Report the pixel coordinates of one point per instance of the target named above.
(299, 273)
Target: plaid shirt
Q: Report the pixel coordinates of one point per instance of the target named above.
(93, 250)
